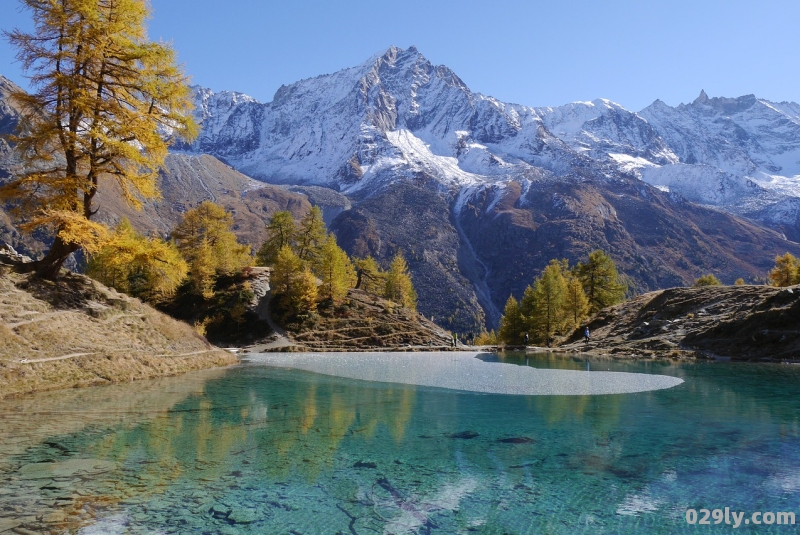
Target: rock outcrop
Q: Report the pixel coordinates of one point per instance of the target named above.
(738, 322)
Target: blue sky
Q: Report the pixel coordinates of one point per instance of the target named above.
(538, 53)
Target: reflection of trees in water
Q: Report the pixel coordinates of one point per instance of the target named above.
(281, 428)
(305, 432)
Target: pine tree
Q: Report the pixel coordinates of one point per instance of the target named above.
(104, 96)
(205, 239)
(601, 281)
(399, 287)
(786, 271)
(281, 231)
(310, 237)
(369, 278)
(512, 323)
(336, 270)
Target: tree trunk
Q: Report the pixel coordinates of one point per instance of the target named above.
(50, 266)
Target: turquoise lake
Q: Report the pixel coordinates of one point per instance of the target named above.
(263, 449)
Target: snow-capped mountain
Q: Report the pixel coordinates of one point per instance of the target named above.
(394, 116)
(398, 116)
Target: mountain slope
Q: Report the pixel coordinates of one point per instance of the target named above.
(187, 180)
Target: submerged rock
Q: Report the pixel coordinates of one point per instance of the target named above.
(466, 435)
(517, 440)
(242, 516)
(69, 468)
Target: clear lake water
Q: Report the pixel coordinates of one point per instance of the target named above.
(260, 449)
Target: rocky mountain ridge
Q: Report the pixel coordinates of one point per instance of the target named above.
(398, 115)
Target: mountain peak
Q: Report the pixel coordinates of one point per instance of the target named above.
(702, 99)
(725, 105)
(394, 54)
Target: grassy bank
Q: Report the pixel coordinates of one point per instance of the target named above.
(76, 332)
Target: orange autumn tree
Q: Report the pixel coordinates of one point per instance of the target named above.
(106, 104)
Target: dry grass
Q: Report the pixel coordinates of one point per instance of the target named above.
(112, 337)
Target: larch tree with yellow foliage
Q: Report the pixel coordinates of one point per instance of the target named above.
(369, 276)
(148, 268)
(106, 104)
(786, 271)
(281, 230)
(399, 287)
(548, 317)
(293, 283)
(205, 239)
(336, 271)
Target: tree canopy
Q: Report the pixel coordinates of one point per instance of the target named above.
(148, 268)
(556, 302)
(205, 239)
(786, 271)
(399, 287)
(281, 231)
(601, 281)
(311, 236)
(707, 280)
(336, 271)
(106, 104)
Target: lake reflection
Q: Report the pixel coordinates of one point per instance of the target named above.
(253, 449)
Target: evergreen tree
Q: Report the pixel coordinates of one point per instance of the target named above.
(370, 278)
(399, 287)
(103, 98)
(549, 295)
(281, 231)
(149, 268)
(310, 237)
(707, 280)
(336, 270)
(786, 271)
(512, 323)
(601, 281)
(205, 239)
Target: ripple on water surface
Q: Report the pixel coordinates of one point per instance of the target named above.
(462, 371)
